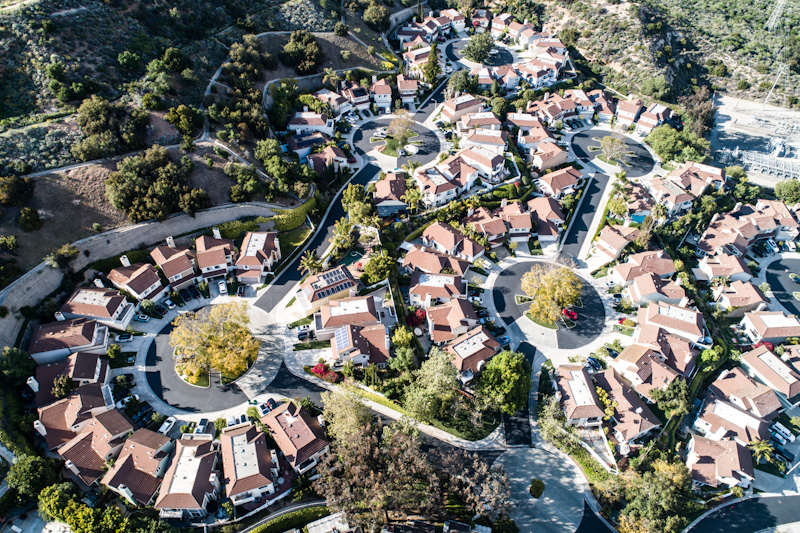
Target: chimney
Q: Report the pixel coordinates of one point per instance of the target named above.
(737, 207)
(321, 421)
(98, 283)
(215, 232)
(430, 14)
(125, 491)
(305, 109)
(638, 410)
(33, 384)
(38, 426)
(470, 212)
(374, 78)
(170, 242)
(72, 468)
(504, 202)
(214, 480)
(124, 260)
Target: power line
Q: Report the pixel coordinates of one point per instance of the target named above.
(776, 14)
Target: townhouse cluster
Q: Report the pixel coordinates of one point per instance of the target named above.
(349, 96)
(417, 37)
(633, 113)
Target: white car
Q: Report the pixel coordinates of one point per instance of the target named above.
(223, 287)
(167, 426)
(400, 152)
(448, 69)
(123, 402)
(379, 134)
(383, 130)
(494, 52)
(170, 304)
(411, 149)
(791, 245)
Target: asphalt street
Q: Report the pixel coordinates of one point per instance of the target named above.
(640, 162)
(518, 425)
(428, 150)
(591, 523)
(782, 285)
(579, 231)
(751, 515)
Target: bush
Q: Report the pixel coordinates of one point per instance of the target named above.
(15, 190)
(537, 487)
(294, 218)
(340, 29)
(29, 219)
(377, 17)
(108, 128)
(295, 519)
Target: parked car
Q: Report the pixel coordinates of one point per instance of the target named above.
(168, 424)
(485, 320)
(617, 299)
(170, 304)
(594, 363)
(194, 292)
(232, 420)
(497, 331)
(482, 313)
(569, 313)
(610, 283)
(785, 433)
(240, 291)
(263, 409)
(123, 402)
(494, 52)
(794, 277)
(777, 437)
(439, 124)
(791, 246)
(142, 318)
(448, 69)
(411, 149)
(272, 404)
(201, 426)
(185, 295)
(351, 160)
(621, 320)
(782, 451)
(223, 287)
(504, 341)
(401, 152)
(160, 309)
(124, 337)
(128, 378)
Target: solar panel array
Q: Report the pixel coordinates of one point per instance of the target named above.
(342, 339)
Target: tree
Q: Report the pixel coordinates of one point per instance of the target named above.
(310, 263)
(432, 68)
(217, 339)
(680, 146)
(404, 359)
(29, 475)
(460, 82)
(673, 400)
(380, 266)
(506, 382)
(15, 366)
(377, 16)
(658, 500)
(342, 237)
(478, 485)
(54, 500)
(266, 149)
(433, 393)
(700, 111)
(402, 337)
(341, 30)
(412, 197)
(401, 126)
(657, 87)
(128, 60)
(500, 107)
(113, 351)
(185, 118)
(552, 290)
(788, 191)
(711, 356)
(352, 195)
(29, 219)
(618, 206)
(478, 47)
(63, 386)
(614, 149)
(762, 450)
(15, 190)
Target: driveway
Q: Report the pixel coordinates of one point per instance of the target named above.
(579, 231)
(560, 508)
(591, 317)
(781, 284)
(428, 150)
(755, 514)
(518, 425)
(640, 162)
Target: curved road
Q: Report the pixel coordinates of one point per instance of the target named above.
(755, 514)
(640, 162)
(782, 285)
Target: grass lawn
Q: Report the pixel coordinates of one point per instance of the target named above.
(796, 295)
(548, 325)
(313, 345)
(124, 359)
(290, 240)
(301, 322)
(769, 468)
(535, 247)
(293, 300)
(519, 299)
(201, 381)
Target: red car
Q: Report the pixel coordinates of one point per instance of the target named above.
(621, 320)
(768, 345)
(572, 315)
(351, 160)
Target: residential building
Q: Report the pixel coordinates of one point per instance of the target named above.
(671, 194)
(654, 116)
(632, 418)
(529, 139)
(83, 368)
(191, 481)
(335, 523)
(693, 175)
(583, 104)
(471, 351)
(300, 437)
(60, 421)
(613, 239)
(305, 121)
(176, 262)
(489, 163)
(333, 284)
(54, 341)
(720, 420)
(628, 111)
(650, 262)
(303, 143)
(433, 262)
(676, 351)
(604, 105)
(101, 439)
(450, 320)
(561, 182)
(494, 140)
(381, 93)
(736, 387)
(773, 371)
(338, 103)
(649, 288)
(734, 232)
(410, 33)
(331, 156)
(448, 240)
(105, 306)
(457, 20)
(524, 121)
(140, 280)
(457, 107)
(136, 474)
(769, 326)
(491, 226)
(249, 467)
(645, 369)
(578, 397)
(549, 217)
(553, 107)
(360, 345)
(357, 95)
(640, 204)
(416, 59)
(426, 290)
(214, 255)
(539, 74)
(260, 252)
(357, 311)
(520, 222)
(715, 463)
(722, 265)
(389, 198)
(500, 24)
(740, 297)
(407, 87)
(681, 321)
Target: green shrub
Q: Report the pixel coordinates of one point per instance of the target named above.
(294, 218)
(29, 219)
(417, 233)
(537, 487)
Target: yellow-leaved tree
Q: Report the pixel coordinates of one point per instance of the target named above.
(552, 289)
(218, 339)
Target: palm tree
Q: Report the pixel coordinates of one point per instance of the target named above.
(762, 449)
(310, 263)
(659, 211)
(373, 221)
(342, 234)
(332, 77)
(412, 197)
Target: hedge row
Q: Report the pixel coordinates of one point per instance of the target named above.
(293, 520)
(294, 218)
(417, 233)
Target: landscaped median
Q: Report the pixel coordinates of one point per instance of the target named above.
(292, 520)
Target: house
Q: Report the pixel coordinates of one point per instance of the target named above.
(520, 222)
(578, 396)
(553, 107)
(136, 474)
(381, 93)
(303, 143)
(514, 29)
(604, 105)
(529, 139)
(437, 189)
(524, 121)
(360, 345)
(54, 341)
(471, 351)
(724, 462)
(417, 42)
(500, 24)
(632, 418)
(415, 60)
(358, 311)
(83, 368)
(407, 88)
(628, 111)
(613, 239)
(676, 352)
(654, 116)
(457, 107)
(250, 468)
(259, 254)
(335, 523)
(299, 436)
(176, 262)
(448, 240)
(105, 306)
(645, 369)
(736, 387)
(770, 326)
(720, 420)
(411, 32)
(357, 95)
(649, 262)
(100, 441)
(61, 420)
(583, 104)
(722, 265)
(699, 173)
(490, 164)
(191, 482)
(672, 195)
(560, 183)
(774, 372)
(433, 262)
(330, 156)
(426, 290)
(491, 226)
(483, 76)
(734, 232)
(538, 75)
(494, 140)
(305, 121)
(389, 197)
(214, 255)
(680, 321)
(549, 218)
(140, 280)
(457, 20)
(739, 298)
(337, 103)
(480, 20)
(639, 202)
(333, 284)
(450, 320)
(506, 76)
(451, 526)
(649, 288)
(486, 120)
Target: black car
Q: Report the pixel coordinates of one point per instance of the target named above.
(128, 378)
(498, 331)
(194, 292)
(240, 291)
(272, 404)
(160, 309)
(185, 295)
(481, 313)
